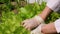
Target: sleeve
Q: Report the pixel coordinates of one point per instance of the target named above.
(54, 5)
(57, 25)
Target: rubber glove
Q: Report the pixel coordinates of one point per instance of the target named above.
(33, 22)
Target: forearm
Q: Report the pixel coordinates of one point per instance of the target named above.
(49, 29)
(45, 12)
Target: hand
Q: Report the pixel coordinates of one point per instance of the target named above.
(33, 22)
(37, 30)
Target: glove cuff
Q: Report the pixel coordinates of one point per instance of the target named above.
(39, 28)
(39, 19)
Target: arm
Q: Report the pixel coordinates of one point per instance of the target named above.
(51, 5)
(45, 12)
(51, 28)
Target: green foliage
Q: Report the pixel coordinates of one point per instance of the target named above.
(11, 24)
(52, 17)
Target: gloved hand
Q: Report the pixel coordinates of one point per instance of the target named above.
(37, 30)
(33, 22)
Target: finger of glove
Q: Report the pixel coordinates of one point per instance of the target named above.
(25, 25)
(25, 21)
(28, 27)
